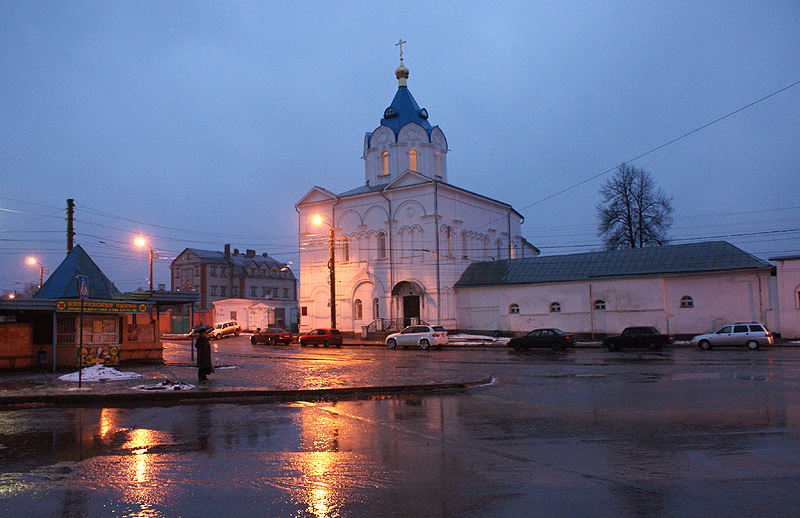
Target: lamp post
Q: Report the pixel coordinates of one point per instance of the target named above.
(331, 268)
(140, 241)
(32, 260)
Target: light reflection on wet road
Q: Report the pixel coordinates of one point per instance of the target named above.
(675, 433)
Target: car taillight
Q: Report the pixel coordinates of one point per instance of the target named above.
(435, 334)
(567, 337)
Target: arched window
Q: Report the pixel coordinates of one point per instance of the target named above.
(499, 249)
(376, 308)
(345, 249)
(381, 245)
(687, 302)
(513, 309)
(555, 307)
(450, 241)
(599, 305)
(412, 159)
(438, 160)
(464, 244)
(385, 163)
(513, 251)
(358, 310)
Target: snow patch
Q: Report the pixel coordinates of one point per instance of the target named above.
(165, 385)
(100, 373)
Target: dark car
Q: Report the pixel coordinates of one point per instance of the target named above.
(323, 337)
(643, 336)
(556, 339)
(272, 336)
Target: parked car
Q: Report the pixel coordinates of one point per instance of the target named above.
(231, 327)
(422, 336)
(550, 337)
(323, 337)
(272, 336)
(642, 336)
(751, 334)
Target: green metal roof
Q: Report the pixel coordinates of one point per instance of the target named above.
(637, 262)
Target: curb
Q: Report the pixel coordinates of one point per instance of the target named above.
(228, 395)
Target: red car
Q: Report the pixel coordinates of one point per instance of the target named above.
(324, 337)
(272, 336)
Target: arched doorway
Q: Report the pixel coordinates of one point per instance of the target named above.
(408, 297)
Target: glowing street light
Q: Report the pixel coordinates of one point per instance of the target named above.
(140, 241)
(32, 260)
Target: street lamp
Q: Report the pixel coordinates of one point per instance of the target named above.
(318, 220)
(32, 260)
(140, 241)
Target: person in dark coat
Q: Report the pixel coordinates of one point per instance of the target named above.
(204, 367)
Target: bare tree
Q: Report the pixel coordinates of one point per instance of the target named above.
(633, 213)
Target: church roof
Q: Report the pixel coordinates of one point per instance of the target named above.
(688, 258)
(62, 285)
(405, 110)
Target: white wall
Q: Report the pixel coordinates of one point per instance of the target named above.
(652, 301)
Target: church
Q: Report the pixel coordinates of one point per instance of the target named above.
(408, 246)
(393, 248)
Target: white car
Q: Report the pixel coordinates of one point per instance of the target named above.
(422, 336)
(751, 334)
(230, 327)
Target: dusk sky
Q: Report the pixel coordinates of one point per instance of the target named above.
(200, 124)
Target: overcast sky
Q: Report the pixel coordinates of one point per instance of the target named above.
(203, 123)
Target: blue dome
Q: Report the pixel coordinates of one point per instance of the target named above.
(404, 110)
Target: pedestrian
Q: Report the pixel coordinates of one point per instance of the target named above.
(204, 367)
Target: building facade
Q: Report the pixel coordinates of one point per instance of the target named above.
(680, 289)
(398, 243)
(218, 276)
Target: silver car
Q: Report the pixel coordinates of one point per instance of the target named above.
(422, 336)
(751, 334)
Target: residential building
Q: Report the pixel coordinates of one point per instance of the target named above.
(226, 275)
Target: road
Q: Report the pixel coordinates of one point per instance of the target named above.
(680, 432)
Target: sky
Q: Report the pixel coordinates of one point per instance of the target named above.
(198, 124)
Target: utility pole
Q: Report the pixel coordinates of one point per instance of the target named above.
(70, 231)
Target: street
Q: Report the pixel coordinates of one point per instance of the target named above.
(587, 432)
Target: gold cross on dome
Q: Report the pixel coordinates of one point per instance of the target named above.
(400, 44)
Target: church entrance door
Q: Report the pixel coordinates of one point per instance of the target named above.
(410, 310)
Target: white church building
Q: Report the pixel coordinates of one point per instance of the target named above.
(407, 246)
(402, 239)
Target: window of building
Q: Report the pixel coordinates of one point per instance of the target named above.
(385, 163)
(376, 309)
(253, 272)
(223, 271)
(286, 293)
(223, 291)
(450, 241)
(599, 305)
(381, 245)
(687, 302)
(412, 159)
(438, 160)
(213, 291)
(358, 310)
(513, 252)
(513, 309)
(345, 250)
(304, 311)
(235, 291)
(797, 298)
(555, 307)
(274, 293)
(464, 244)
(213, 271)
(253, 291)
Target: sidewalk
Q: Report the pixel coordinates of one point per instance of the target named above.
(241, 379)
